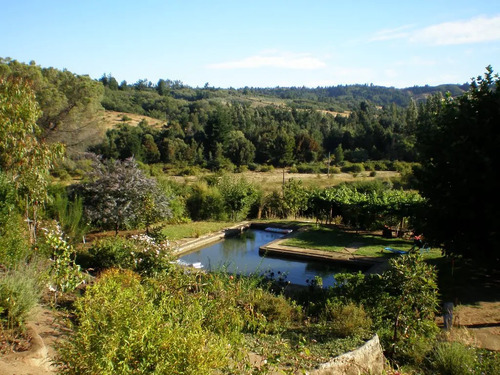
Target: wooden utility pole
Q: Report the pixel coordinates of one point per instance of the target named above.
(328, 174)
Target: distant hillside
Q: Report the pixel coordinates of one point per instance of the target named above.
(225, 128)
(147, 98)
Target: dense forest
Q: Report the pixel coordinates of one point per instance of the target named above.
(276, 126)
(217, 128)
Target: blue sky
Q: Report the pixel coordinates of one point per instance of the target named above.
(258, 43)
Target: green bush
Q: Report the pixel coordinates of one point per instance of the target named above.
(140, 253)
(266, 168)
(346, 320)
(20, 292)
(453, 358)
(241, 169)
(487, 362)
(112, 252)
(253, 166)
(335, 170)
(353, 168)
(14, 240)
(69, 213)
(206, 203)
(308, 168)
(125, 327)
(275, 312)
(401, 302)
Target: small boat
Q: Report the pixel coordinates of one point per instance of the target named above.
(279, 230)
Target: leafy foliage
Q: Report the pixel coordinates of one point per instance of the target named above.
(362, 207)
(119, 195)
(23, 156)
(176, 323)
(69, 103)
(20, 292)
(459, 176)
(66, 274)
(139, 253)
(401, 302)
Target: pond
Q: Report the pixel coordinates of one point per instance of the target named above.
(240, 255)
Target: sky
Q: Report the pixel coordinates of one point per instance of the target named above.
(258, 43)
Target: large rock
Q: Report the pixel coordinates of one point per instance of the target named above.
(367, 359)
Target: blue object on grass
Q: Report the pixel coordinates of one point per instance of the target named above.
(395, 251)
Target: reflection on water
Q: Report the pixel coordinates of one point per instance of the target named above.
(240, 254)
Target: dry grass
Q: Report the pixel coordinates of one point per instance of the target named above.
(273, 180)
(112, 119)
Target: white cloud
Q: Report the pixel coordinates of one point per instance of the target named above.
(390, 34)
(476, 30)
(273, 60)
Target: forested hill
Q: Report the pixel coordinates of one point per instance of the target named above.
(216, 127)
(339, 98)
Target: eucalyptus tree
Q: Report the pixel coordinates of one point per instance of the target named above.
(24, 157)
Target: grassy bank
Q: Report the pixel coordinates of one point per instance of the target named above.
(334, 239)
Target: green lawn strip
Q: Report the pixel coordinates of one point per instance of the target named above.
(337, 240)
(194, 229)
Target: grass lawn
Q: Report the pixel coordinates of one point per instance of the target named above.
(193, 229)
(334, 239)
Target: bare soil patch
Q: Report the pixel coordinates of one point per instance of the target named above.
(36, 355)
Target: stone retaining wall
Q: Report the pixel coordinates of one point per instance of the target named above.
(367, 359)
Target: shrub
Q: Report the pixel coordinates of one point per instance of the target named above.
(401, 303)
(266, 168)
(189, 171)
(20, 292)
(253, 166)
(346, 319)
(206, 203)
(112, 252)
(65, 273)
(487, 362)
(276, 311)
(353, 168)
(140, 253)
(155, 327)
(335, 170)
(453, 358)
(308, 168)
(14, 240)
(241, 169)
(69, 213)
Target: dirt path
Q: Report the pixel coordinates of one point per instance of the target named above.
(45, 330)
(478, 325)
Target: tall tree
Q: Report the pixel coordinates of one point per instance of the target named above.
(239, 149)
(70, 104)
(458, 146)
(23, 155)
